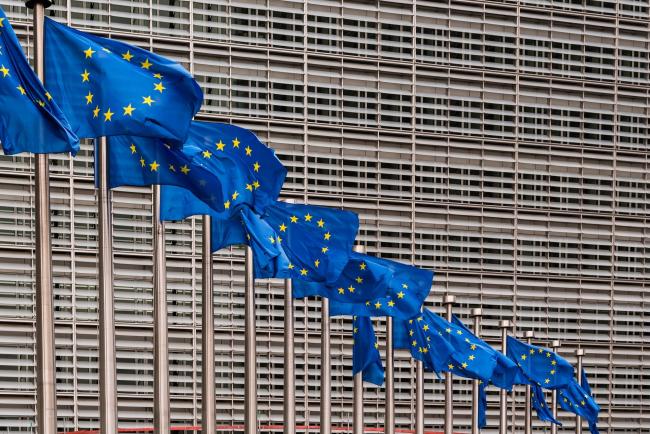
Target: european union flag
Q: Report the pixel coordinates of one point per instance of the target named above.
(30, 120)
(482, 405)
(365, 352)
(408, 288)
(573, 398)
(538, 402)
(177, 203)
(539, 365)
(585, 386)
(107, 88)
(224, 166)
(419, 337)
(363, 278)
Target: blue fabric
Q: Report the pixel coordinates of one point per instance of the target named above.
(538, 402)
(177, 203)
(539, 365)
(218, 173)
(407, 290)
(363, 278)
(482, 405)
(587, 389)
(365, 352)
(575, 399)
(107, 87)
(31, 121)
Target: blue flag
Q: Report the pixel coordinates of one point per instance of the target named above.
(539, 365)
(365, 352)
(224, 166)
(419, 337)
(482, 405)
(575, 399)
(30, 120)
(408, 288)
(107, 88)
(538, 402)
(177, 203)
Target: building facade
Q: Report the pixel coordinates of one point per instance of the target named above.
(504, 144)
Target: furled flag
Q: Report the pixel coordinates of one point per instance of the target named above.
(408, 288)
(225, 166)
(30, 120)
(107, 87)
(539, 365)
(538, 402)
(365, 352)
(575, 399)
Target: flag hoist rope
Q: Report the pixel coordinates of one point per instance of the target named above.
(45, 346)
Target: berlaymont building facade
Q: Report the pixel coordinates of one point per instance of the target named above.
(504, 144)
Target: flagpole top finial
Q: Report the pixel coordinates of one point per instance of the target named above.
(555, 343)
(477, 311)
(580, 352)
(32, 3)
(505, 324)
(359, 248)
(529, 334)
(448, 299)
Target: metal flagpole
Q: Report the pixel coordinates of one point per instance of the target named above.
(161, 415)
(528, 416)
(579, 354)
(448, 300)
(476, 314)
(107, 370)
(357, 417)
(208, 422)
(325, 369)
(45, 346)
(419, 397)
(250, 349)
(389, 412)
(289, 358)
(503, 395)
(555, 345)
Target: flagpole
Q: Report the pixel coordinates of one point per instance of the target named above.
(448, 301)
(579, 354)
(419, 397)
(250, 350)
(208, 422)
(528, 416)
(357, 416)
(161, 413)
(555, 345)
(476, 314)
(389, 412)
(107, 369)
(325, 369)
(289, 358)
(503, 396)
(45, 344)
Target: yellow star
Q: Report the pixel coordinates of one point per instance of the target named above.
(303, 272)
(272, 240)
(327, 236)
(351, 288)
(235, 143)
(89, 98)
(367, 303)
(548, 354)
(256, 184)
(582, 402)
(458, 332)
(405, 286)
(291, 266)
(185, 170)
(146, 64)
(249, 151)
(48, 96)
(553, 363)
(5, 71)
(235, 195)
(294, 219)
(142, 162)
(376, 345)
(320, 223)
(256, 166)
(552, 371)
(464, 365)
(159, 87)
(226, 204)
(523, 357)
(377, 305)
(362, 266)
(425, 327)
(154, 166)
(147, 100)
(108, 115)
(158, 76)
(127, 56)
(471, 357)
(450, 366)
(96, 112)
(21, 89)
(400, 294)
(341, 291)
(532, 351)
(249, 187)
(472, 347)
(133, 148)
(220, 146)
(359, 279)
(2, 22)
(41, 102)
(411, 332)
(283, 227)
(207, 154)
(308, 217)
(172, 168)
(128, 110)
(425, 350)
(324, 249)
(448, 330)
(391, 303)
(89, 52)
(316, 263)
(547, 381)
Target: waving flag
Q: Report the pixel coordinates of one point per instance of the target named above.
(538, 402)
(539, 365)
(417, 336)
(408, 288)
(107, 88)
(365, 352)
(575, 399)
(30, 120)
